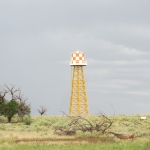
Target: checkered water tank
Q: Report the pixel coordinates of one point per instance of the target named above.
(78, 58)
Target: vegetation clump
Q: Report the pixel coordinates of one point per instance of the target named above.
(9, 109)
(13, 103)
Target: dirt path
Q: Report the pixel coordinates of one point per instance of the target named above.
(64, 141)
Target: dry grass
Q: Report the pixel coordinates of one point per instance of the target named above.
(40, 132)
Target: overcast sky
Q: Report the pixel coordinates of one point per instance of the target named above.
(37, 37)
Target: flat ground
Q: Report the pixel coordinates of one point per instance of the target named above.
(38, 134)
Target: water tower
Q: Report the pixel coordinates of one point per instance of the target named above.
(78, 99)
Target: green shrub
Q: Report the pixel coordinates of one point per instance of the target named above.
(9, 109)
(44, 123)
(27, 120)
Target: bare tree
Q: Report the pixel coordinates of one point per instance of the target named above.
(23, 107)
(42, 110)
(84, 124)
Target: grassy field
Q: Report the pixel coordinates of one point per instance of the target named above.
(36, 133)
(103, 146)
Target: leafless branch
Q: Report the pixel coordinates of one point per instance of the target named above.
(11, 90)
(42, 110)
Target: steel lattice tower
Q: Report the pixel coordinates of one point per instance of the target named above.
(78, 99)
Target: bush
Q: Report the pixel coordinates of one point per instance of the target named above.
(27, 120)
(44, 123)
(9, 109)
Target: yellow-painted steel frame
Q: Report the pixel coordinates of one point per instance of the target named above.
(78, 99)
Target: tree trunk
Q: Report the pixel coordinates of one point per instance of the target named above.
(9, 119)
